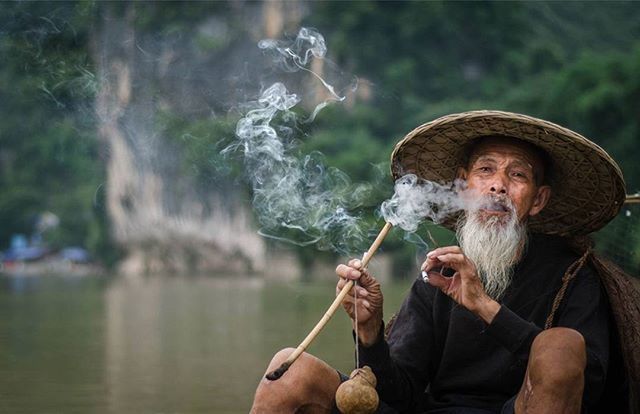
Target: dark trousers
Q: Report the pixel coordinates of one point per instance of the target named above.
(507, 408)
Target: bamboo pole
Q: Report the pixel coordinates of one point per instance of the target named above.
(277, 373)
(633, 199)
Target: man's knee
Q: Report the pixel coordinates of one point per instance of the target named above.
(299, 373)
(281, 356)
(305, 366)
(308, 380)
(558, 358)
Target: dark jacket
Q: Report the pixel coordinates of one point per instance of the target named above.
(439, 354)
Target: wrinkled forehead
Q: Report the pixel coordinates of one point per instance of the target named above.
(511, 147)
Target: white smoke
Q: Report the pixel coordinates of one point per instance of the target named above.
(296, 55)
(415, 200)
(297, 198)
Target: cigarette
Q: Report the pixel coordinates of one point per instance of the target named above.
(425, 275)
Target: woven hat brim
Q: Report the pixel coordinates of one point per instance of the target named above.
(588, 188)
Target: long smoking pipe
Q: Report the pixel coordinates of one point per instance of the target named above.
(633, 199)
(278, 372)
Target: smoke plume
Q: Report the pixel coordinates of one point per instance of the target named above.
(415, 199)
(297, 198)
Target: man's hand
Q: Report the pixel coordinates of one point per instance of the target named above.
(369, 301)
(465, 286)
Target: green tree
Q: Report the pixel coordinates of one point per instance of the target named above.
(49, 155)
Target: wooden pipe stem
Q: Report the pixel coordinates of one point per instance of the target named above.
(633, 199)
(277, 373)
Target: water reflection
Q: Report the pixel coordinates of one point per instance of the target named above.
(52, 344)
(182, 345)
(154, 345)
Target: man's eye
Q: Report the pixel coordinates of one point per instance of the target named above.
(484, 169)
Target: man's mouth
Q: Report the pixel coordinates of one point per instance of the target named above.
(495, 207)
(500, 208)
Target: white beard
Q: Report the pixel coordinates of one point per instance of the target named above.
(494, 245)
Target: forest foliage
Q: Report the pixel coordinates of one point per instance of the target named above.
(573, 63)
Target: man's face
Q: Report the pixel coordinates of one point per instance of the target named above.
(502, 190)
(503, 168)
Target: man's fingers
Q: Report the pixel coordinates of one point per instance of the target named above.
(429, 264)
(348, 272)
(461, 264)
(443, 250)
(439, 281)
(367, 289)
(362, 292)
(367, 280)
(355, 263)
(433, 260)
(448, 285)
(454, 260)
(350, 300)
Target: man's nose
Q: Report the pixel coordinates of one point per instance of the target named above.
(499, 186)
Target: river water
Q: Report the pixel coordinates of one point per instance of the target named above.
(71, 344)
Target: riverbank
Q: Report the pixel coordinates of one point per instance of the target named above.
(50, 267)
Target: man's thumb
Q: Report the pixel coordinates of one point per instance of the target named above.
(439, 281)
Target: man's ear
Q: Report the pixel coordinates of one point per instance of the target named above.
(540, 201)
(461, 174)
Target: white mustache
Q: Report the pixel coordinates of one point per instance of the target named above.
(493, 202)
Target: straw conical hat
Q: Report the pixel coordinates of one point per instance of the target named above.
(588, 189)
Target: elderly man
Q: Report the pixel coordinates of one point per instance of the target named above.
(470, 337)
